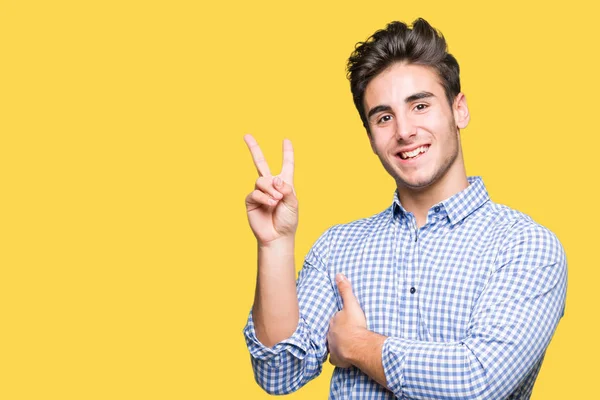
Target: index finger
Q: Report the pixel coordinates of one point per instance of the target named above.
(287, 169)
(257, 156)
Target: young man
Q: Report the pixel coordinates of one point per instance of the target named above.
(444, 295)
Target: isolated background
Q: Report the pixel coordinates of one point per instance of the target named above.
(126, 264)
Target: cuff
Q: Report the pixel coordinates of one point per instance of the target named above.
(297, 344)
(393, 356)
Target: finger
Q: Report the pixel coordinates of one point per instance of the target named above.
(266, 185)
(345, 289)
(258, 198)
(287, 170)
(287, 190)
(259, 159)
(333, 360)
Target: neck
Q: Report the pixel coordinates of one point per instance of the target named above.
(418, 201)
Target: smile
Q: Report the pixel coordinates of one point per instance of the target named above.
(407, 155)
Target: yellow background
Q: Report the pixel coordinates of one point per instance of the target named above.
(126, 264)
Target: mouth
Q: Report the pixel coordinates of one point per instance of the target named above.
(413, 154)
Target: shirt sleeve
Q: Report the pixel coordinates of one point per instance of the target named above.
(290, 364)
(511, 325)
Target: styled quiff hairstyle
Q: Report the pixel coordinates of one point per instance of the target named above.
(420, 45)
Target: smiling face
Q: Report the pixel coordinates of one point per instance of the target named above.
(414, 131)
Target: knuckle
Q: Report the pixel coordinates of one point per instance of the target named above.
(262, 182)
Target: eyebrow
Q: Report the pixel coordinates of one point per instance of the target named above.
(409, 99)
(418, 96)
(378, 109)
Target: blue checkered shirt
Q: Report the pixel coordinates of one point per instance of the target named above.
(469, 303)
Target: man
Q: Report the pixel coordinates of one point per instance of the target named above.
(445, 294)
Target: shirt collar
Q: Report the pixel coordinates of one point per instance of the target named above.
(458, 206)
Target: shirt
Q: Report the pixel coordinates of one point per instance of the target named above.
(468, 302)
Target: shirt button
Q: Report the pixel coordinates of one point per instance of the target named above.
(436, 209)
(412, 290)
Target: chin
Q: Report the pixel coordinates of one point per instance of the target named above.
(415, 185)
(422, 183)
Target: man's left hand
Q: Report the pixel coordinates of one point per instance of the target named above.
(347, 327)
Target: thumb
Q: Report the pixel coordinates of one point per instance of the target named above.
(345, 289)
(287, 190)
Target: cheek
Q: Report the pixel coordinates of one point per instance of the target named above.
(378, 145)
(436, 122)
(443, 129)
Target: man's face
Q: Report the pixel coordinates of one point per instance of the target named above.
(414, 131)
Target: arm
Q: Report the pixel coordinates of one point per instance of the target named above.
(291, 363)
(272, 210)
(511, 326)
(285, 333)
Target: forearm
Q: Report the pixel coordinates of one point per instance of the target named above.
(453, 371)
(366, 355)
(275, 311)
(385, 362)
(295, 360)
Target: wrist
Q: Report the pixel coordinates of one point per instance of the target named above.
(365, 343)
(282, 243)
(277, 255)
(356, 345)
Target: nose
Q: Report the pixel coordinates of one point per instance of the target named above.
(405, 128)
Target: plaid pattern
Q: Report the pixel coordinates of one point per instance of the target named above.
(469, 303)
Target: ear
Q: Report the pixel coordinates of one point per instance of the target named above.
(461, 111)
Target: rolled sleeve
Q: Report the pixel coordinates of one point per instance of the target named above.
(293, 362)
(393, 360)
(297, 344)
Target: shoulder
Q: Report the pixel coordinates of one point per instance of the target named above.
(523, 238)
(348, 233)
(361, 227)
(520, 225)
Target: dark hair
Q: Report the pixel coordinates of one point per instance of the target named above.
(421, 45)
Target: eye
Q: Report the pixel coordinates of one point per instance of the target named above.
(384, 118)
(421, 107)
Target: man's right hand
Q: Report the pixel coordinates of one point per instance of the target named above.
(272, 206)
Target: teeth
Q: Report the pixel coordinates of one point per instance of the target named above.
(415, 152)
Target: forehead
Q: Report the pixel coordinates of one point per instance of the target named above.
(399, 81)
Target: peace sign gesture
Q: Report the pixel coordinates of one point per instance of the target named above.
(272, 207)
